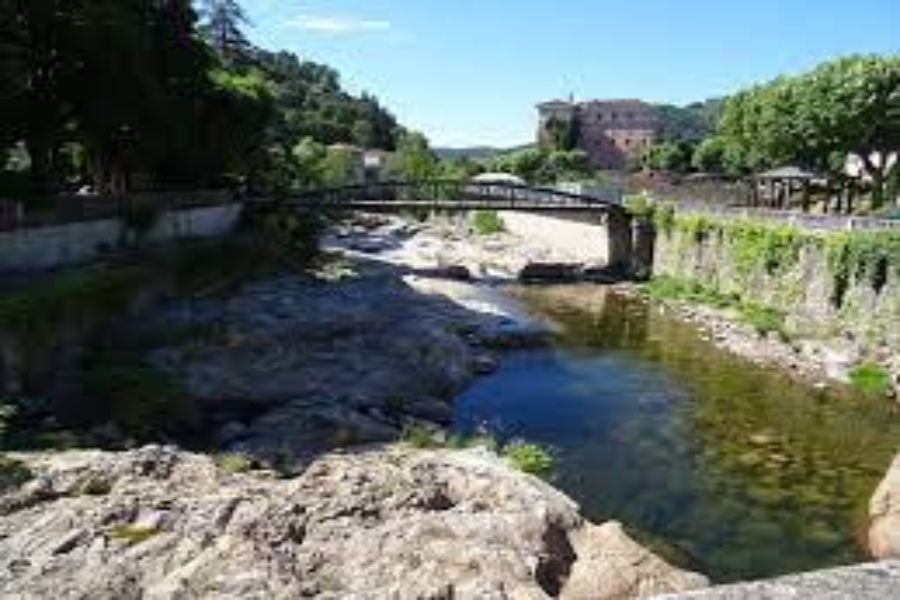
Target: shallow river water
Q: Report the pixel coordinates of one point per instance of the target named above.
(725, 467)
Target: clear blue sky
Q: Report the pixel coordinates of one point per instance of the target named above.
(467, 72)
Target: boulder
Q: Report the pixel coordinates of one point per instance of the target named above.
(884, 514)
(541, 272)
(385, 523)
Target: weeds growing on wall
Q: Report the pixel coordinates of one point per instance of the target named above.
(34, 318)
(862, 256)
(773, 248)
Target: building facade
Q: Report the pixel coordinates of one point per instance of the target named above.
(613, 133)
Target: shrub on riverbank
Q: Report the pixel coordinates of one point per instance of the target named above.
(138, 398)
(487, 222)
(871, 380)
(763, 319)
(530, 458)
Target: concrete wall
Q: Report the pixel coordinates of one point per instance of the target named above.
(60, 245)
(804, 291)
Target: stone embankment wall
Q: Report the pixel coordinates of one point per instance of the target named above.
(73, 243)
(828, 285)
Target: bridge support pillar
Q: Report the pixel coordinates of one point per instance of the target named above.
(643, 244)
(619, 236)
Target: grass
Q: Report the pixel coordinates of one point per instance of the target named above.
(420, 437)
(487, 222)
(871, 380)
(235, 462)
(530, 458)
(763, 319)
(132, 535)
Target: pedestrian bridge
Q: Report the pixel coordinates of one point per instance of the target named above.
(456, 195)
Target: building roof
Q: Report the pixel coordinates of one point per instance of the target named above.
(498, 178)
(556, 104)
(785, 173)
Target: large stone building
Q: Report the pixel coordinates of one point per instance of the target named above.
(614, 133)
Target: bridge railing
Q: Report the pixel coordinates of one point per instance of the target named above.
(448, 193)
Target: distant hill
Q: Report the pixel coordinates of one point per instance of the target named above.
(476, 152)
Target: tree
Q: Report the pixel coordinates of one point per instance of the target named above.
(414, 160)
(339, 167)
(223, 21)
(850, 106)
(669, 157)
(710, 156)
(561, 134)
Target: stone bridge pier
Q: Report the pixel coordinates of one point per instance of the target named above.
(612, 240)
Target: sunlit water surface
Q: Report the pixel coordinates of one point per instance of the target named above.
(723, 466)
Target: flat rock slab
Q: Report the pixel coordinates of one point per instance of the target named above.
(874, 581)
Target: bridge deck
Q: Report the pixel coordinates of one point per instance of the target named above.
(450, 195)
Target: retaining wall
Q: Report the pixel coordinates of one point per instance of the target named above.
(864, 306)
(73, 243)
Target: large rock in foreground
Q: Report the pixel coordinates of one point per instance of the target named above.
(160, 523)
(884, 512)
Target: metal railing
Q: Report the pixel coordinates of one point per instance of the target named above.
(451, 195)
(816, 222)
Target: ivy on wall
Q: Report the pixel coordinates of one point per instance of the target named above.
(775, 248)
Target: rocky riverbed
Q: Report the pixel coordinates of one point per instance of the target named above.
(297, 365)
(311, 379)
(371, 524)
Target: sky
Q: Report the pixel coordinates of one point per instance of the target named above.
(470, 72)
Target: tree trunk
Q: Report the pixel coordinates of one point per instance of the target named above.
(40, 151)
(877, 173)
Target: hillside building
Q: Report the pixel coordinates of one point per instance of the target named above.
(613, 133)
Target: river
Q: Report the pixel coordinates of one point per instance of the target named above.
(728, 468)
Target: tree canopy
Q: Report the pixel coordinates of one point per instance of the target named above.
(125, 94)
(849, 106)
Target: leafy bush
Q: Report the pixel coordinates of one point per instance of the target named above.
(871, 380)
(142, 400)
(234, 462)
(8, 412)
(419, 437)
(80, 300)
(640, 205)
(669, 288)
(763, 319)
(13, 473)
(487, 222)
(529, 458)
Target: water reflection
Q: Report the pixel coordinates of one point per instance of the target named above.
(743, 472)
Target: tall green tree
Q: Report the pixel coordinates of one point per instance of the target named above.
(816, 120)
(414, 160)
(222, 26)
